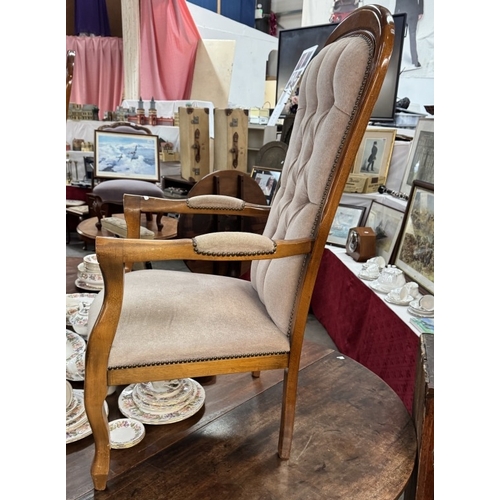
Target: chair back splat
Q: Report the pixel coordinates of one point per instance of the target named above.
(153, 324)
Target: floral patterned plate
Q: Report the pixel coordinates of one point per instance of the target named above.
(127, 406)
(125, 433)
(74, 344)
(84, 429)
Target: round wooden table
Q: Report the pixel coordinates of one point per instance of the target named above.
(88, 231)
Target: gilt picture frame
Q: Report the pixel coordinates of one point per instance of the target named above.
(415, 248)
(420, 162)
(126, 156)
(346, 217)
(375, 152)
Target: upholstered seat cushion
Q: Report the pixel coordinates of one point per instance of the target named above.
(112, 191)
(189, 316)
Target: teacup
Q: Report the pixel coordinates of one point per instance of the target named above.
(170, 387)
(391, 277)
(75, 367)
(371, 271)
(398, 294)
(427, 302)
(412, 288)
(378, 261)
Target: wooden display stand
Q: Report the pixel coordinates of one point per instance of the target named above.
(231, 139)
(194, 142)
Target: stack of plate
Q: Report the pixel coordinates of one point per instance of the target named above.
(158, 403)
(75, 356)
(77, 424)
(420, 309)
(89, 274)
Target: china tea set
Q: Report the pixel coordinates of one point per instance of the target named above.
(391, 281)
(153, 403)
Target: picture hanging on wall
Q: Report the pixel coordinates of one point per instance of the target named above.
(374, 154)
(415, 252)
(126, 156)
(346, 217)
(386, 222)
(420, 163)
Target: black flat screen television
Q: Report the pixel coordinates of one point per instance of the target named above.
(292, 42)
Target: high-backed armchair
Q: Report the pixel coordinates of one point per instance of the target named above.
(152, 325)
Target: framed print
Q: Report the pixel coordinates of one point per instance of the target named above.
(420, 163)
(374, 154)
(126, 156)
(386, 222)
(346, 217)
(268, 179)
(415, 253)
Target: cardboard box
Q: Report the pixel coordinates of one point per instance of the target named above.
(373, 183)
(355, 183)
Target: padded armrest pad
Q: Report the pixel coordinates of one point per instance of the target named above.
(233, 243)
(217, 201)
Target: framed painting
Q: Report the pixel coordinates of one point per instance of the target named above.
(386, 222)
(420, 163)
(375, 153)
(346, 217)
(126, 156)
(268, 179)
(415, 252)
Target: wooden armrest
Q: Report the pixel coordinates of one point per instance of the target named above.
(135, 205)
(111, 251)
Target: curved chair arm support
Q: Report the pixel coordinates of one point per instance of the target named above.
(224, 246)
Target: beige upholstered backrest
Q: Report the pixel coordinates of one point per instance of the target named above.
(326, 106)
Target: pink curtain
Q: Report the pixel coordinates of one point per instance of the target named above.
(169, 38)
(98, 73)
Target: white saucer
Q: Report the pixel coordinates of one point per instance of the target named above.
(403, 302)
(366, 277)
(85, 286)
(128, 407)
(381, 288)
(419, 313)
(77, 343)
(125, 433)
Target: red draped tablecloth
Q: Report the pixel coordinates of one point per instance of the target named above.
(364, 328)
